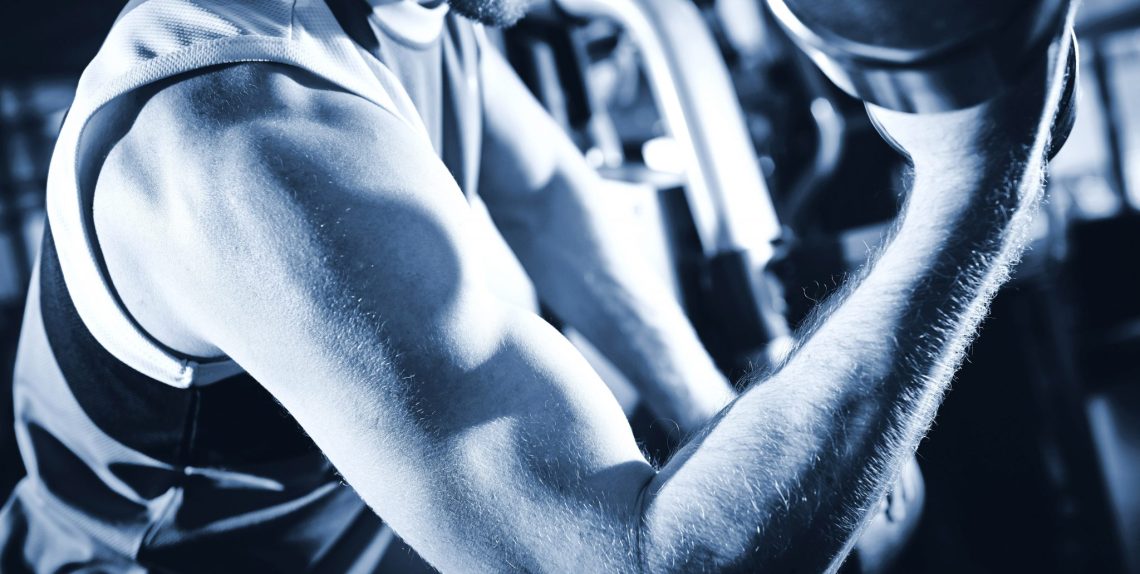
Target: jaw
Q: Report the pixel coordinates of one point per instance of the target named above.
(492, 12)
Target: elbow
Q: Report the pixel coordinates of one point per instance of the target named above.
(640, 564)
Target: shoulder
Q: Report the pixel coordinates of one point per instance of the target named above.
(217, 112)
(230, 166)
(241, 133)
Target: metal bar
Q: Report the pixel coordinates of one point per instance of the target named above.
(726, 192)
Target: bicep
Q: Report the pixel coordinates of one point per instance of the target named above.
(346, 288)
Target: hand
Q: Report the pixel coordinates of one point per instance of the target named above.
(1020, 117)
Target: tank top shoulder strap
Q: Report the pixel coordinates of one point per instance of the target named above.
(155, 40)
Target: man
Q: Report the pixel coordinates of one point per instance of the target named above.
(247, 206)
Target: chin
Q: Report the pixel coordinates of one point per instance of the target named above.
(492, 12)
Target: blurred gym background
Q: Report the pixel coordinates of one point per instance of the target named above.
(1034, 462)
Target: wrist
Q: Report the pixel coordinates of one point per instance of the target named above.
(1016, 123)
(994, 180)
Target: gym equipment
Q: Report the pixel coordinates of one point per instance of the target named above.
(736, 224)
(929, 57)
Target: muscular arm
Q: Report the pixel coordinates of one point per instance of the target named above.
(325, 252)
(554, 212)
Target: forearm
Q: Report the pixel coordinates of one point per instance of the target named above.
(788, 473)
(565, 226)
(783, 479)
(642, 330)
(586, 267)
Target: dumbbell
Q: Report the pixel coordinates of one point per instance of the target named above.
(926, 56)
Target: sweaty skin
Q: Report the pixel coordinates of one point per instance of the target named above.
(318, 241)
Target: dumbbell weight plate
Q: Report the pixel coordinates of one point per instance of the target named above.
(922, 56)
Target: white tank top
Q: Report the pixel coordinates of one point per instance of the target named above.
(156, 39)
